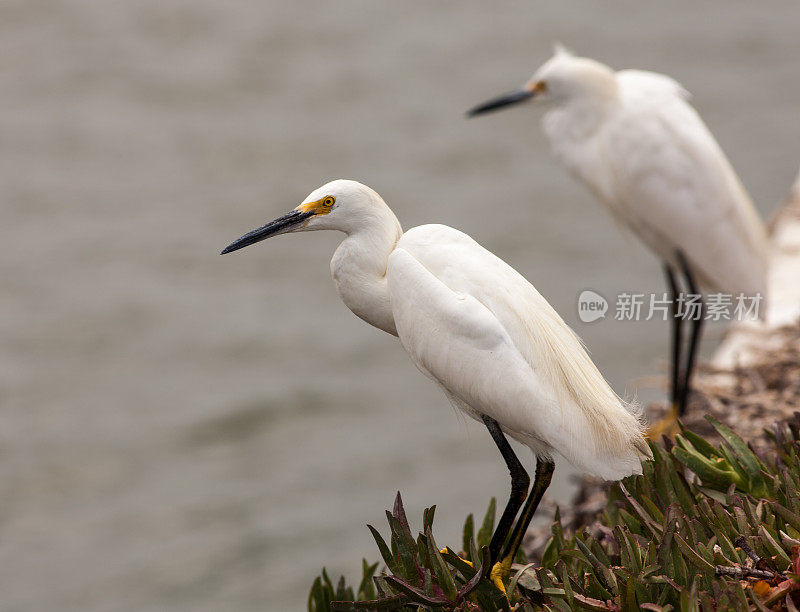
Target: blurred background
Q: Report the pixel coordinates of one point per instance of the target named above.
(185, 431)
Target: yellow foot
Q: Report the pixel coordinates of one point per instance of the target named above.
(444, 550)
(499, 573)
(667, 426)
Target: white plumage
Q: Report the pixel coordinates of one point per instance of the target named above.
(484, 335)
(633, 139)
(476, 327)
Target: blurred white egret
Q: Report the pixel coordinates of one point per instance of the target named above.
(634, 140)
(484, 334)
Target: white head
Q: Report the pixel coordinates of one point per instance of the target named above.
(564, 78)
(343, 205)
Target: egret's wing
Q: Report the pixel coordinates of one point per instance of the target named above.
(676, 189)
(458, 342)
(478, 328)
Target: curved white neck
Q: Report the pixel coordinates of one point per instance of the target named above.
(577, 120)
(571, 129)
(359, 268)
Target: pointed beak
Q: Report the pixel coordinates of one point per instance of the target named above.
(508, 99)
(281, 225)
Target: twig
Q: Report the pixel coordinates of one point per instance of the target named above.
(742, 543)
(743, 572)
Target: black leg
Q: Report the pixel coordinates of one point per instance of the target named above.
(519, 488)
(544, 473)
(694, 339)
(677, 335)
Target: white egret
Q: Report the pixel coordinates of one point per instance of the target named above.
(644, 152)
(484, 334)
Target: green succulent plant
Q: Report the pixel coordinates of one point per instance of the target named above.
(705, 527)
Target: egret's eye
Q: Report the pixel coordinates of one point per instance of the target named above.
(328, 202)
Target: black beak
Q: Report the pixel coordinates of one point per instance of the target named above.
(513, 97)
(281, 225)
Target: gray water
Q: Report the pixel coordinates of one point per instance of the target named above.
(185, 431)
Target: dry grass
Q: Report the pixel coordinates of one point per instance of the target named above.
(750, 399)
